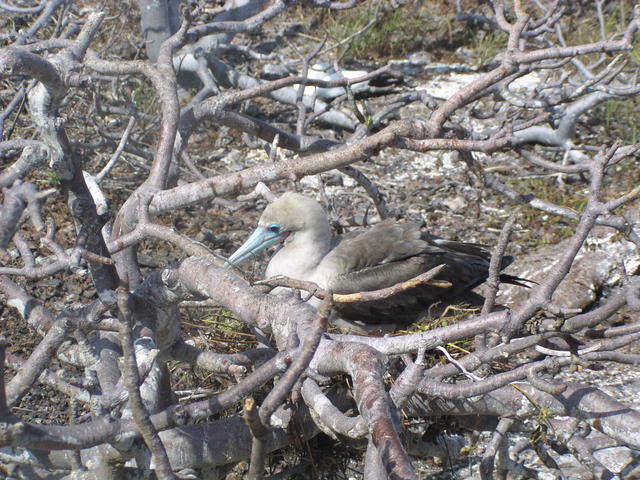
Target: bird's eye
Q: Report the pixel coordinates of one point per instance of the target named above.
(275, 228)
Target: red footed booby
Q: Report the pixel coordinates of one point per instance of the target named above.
(377, 257)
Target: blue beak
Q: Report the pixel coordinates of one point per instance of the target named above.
(260, 239)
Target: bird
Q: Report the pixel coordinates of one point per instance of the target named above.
(370, 259)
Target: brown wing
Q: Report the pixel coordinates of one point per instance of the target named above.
(388, 254)
(382, 243)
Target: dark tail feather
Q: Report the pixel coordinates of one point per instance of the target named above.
(521, 282)
(473, 249)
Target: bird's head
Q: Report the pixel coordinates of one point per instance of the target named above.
(289, 214)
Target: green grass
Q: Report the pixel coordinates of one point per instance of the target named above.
(395, 32)
(52, 180)
(620, 118)
(542, 228)
(488, 45)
